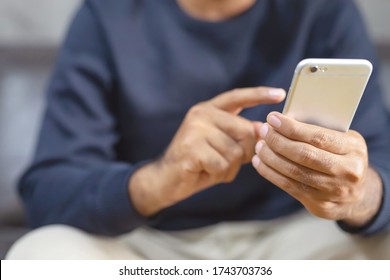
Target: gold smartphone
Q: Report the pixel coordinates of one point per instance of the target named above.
(327, 92)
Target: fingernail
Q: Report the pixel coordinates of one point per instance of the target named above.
(274, 121)
(255, 161)
(276, 92)
(258, 147)
(264, 130)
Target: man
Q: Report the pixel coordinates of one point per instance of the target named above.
(144, 137)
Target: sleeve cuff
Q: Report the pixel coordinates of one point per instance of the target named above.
(116, 213)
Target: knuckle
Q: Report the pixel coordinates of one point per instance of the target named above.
(248, 133)
(357, 138)
(324, 210)
(311, 157)
(197, 110)
(329, 164)
(354, 172)
(340, 192)
(307, 154)
(195, 125)
(320, 139)
(362, 151)
(334, 167)
(237, 153)
(353, 177)
(286, 185)
(295, 171)
(358, 143)
(186, 144)
(310, 179)
(188, 166)
(221, 167)
(345, 194)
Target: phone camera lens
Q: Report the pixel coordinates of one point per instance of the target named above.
(314, 69)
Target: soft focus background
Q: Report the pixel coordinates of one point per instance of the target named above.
(30, 33)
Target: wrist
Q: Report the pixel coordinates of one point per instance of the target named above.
(371, 201)
(147, 188)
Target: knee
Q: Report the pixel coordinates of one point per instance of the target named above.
(56, 242)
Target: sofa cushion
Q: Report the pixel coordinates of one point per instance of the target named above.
(21, 106)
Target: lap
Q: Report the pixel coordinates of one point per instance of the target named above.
(299, 236)
(67, 243)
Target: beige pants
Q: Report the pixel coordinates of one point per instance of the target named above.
(299, 236)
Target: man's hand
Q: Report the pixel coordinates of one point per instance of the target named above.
(209, 148)
(326, 170)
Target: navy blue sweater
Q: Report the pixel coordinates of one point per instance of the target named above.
(125, 77)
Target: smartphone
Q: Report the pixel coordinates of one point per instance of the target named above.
(327, 92)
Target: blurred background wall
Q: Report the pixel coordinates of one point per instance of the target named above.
(38, 23)
(43, 22)
(30, 32)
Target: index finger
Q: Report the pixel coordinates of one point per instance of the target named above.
(323, 138)
(235, 100)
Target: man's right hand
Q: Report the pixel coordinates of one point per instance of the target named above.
(209, 148)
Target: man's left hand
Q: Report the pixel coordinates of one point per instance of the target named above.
(326, 170)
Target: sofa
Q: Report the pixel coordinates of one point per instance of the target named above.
(23, 76)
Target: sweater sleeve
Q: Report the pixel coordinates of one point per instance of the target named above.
(341, 30)
(75, 177)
